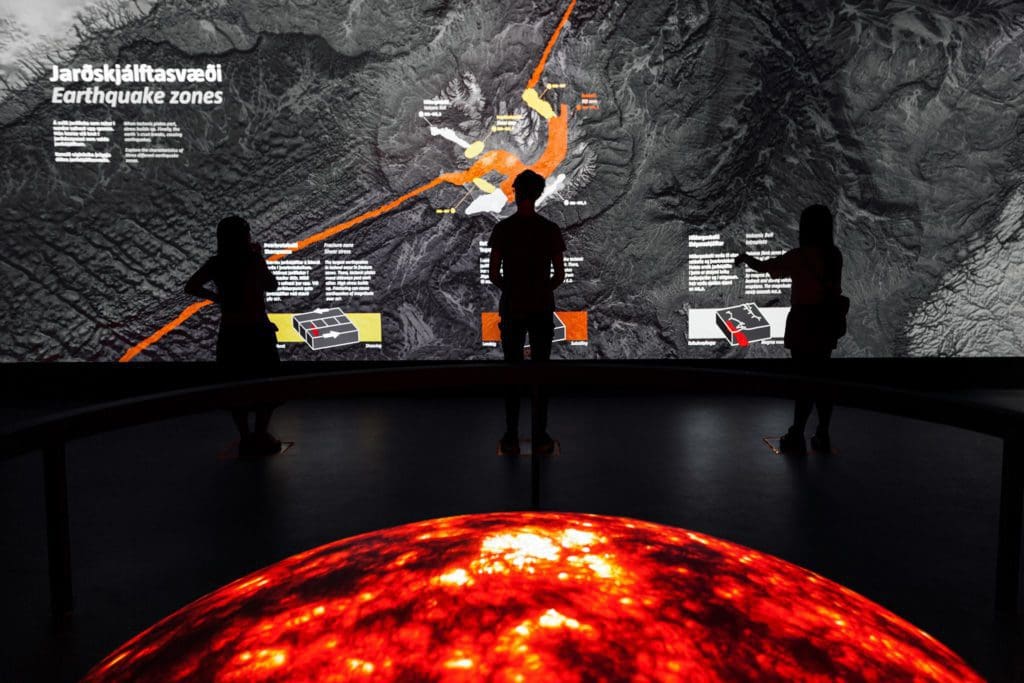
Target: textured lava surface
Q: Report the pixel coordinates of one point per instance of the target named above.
(528, 597)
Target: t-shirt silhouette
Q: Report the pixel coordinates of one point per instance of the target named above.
(529, 244)
(816, 273)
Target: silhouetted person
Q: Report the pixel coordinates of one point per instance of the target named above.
(247, 340)
(816, 268)
(524, 248)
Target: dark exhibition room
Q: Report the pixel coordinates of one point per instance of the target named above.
(547, 340)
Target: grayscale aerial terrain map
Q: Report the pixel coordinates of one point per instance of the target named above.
(371, 145)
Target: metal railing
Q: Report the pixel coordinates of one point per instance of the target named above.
(51, 434)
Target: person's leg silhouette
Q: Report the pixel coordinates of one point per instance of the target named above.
(513, 338)
(792, 442)
(542, 331)
(822, 441)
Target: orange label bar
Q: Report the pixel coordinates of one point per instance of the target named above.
(575, 325)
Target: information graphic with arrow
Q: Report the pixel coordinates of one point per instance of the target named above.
(328, 328)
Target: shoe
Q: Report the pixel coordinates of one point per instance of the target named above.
(545, 445)
(792, 443)
(509, 444)
(821, 443)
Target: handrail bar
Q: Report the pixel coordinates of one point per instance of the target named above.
(50, 434)
(95, 419)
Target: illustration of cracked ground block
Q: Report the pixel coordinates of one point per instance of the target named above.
(559, 335)
(743, 324)
(325, 328)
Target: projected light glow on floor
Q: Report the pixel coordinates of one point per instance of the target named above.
(527, 597)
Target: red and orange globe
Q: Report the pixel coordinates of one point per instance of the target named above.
(533, 597)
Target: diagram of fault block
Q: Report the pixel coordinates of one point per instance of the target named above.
(329, 328)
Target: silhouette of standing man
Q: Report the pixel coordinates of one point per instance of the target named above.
(246, 341)
(524, 248)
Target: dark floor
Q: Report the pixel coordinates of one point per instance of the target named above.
(905, 514)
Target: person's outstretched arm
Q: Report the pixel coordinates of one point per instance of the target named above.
(780, 266)
(196, 285)
(494, 268)
(754, 263)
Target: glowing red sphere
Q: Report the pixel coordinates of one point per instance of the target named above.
(533, 597)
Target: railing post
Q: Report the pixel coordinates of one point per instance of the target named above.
(1011, 509)
(58, 530)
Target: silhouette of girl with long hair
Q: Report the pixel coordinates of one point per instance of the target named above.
(246, 341)
(816, 269)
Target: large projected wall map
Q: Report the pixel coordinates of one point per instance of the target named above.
(372, 146)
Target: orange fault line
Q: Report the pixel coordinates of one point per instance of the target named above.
(192, 309)
(535, 77)
(505, 163)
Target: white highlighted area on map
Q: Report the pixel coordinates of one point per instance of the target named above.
(472, 149)
(492, 202)
(551, 187)
(449, 134)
